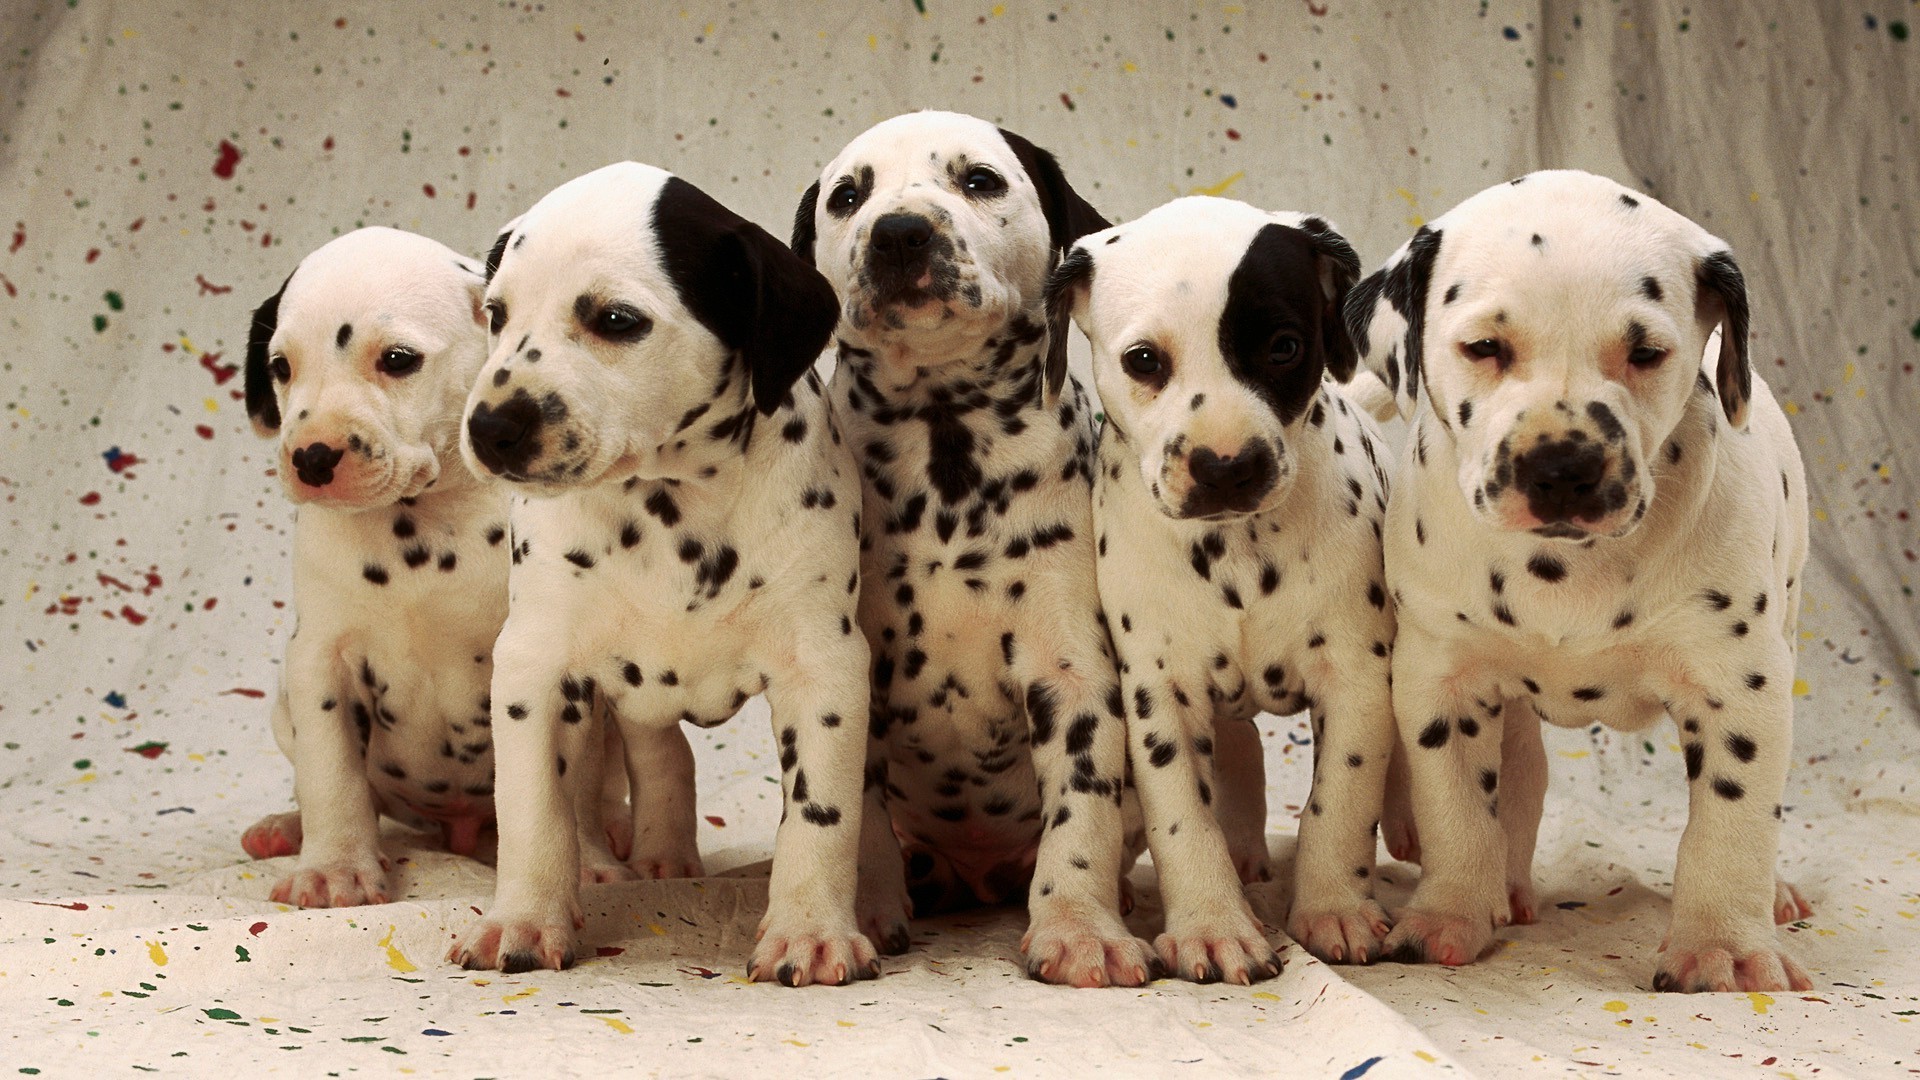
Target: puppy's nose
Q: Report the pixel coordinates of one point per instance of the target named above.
(314, 462)
(502, 437)
(1562, 480)
(1231, 476)
(901, 238)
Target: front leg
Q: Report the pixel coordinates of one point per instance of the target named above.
(1240, 796)
(1078, 738)
(542, 724)
(1737, 736)
(660, 780)
(819, 705)
(1334, 915)
(1523, 795)
(1453, 765)
(340, 863)
(882, 904)
(1211, 932)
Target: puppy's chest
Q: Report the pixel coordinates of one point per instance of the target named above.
(435, 565)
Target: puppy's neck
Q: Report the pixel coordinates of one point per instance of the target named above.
(1009, 353)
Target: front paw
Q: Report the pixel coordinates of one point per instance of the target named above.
(602, 868)
(1433, 937)
(1403, 839)
(1788, 904)
(1691, 963)
(1350, 934)
(667, 864)
(1227, 947)
(802, 955)
(1084, 947)
(513, 944)
(272, 836)
(1523, 905)
(1252, 863)
(883, 915)
(334, 883)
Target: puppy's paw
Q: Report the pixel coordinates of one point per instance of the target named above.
(338, 883)
(600, 868)
(1229, 947)
(1085, 946)
(1691, 966)
(273, 836)
(1350, 934)
(617, 824)
(1523, 905)
(1403, 840)
(1433, 937)
(883, 911)
(803, 955)
(1252, 863)
(1788, 904)
(667, 864)
(516, 943)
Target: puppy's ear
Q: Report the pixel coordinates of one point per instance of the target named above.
(1339, 267)
(1386, 316)
(746, 287)
(499, 249)
(1066, 288)
(262, 407)
(1722, 299)
(1069, 217)
(803, 230)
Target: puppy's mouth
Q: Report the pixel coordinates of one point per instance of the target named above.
(365, 477)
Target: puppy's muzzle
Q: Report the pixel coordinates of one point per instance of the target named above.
(314, 462)
(506, 438)
(900, 250)
(1229, 485)
(1562, 481)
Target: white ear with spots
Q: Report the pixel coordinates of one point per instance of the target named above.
(1386, 316)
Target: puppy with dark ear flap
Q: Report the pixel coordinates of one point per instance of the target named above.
(1069, 217)
(1065, 287)
(262, 406)
(1724, 288)
(1385, 316)
(803, 228)
(1339, 269)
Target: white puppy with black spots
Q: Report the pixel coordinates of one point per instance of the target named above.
(1238, 507)
(361, 364)
(684, 537)
(1000, 749)
(1602, 518)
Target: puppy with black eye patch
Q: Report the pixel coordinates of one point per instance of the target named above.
(359, 366)
(685, 530)
(1237, 505)
(1602, 518)
(999, 749)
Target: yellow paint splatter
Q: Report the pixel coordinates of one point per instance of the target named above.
(1129, 67)
(616, 1024)
(396, 959)
(873, 42)
(157, 954)
(1615, 1006)
(999, 10)
(521, 996)
(1424, 1056)
(658, 930)
(1575, 755)
(1790, 408)
(1760, 1002)
(1262, 995)
(796, 1042)
(1219, 188)
(846, 1023)
(212, 405)
(1800, 688)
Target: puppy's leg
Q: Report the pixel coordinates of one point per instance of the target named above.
(659, 767)
(340, 863)
(1079, 745)
(1397, 826)
(589, 781)
(1453, 762)
(1523, 795)
(541, 727)
(276, 834)
(1211, 932)
(819, 705)
(1335, 916)
(616, 810)
(1737, 735)
(882, 905)
(1240, 796)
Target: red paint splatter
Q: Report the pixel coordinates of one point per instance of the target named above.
(113, 582)
(19, 237)
(266, 239)
(428, 189)
(93, 255)
(328, 144)
(75, 906)
(11, 291)
(118, 461)
(1233, 135)
(207, 605)
(221, 372)
(148, 750)
(203, 431)
(91, 498)
(245, 691)
(471, 197)
(563, 92)
(257, 929)
(1316, 12)
(137, 222)
(66, 605)
(716, 821)
(208, 288)
(132, 616)
(608, 950)
(1067, 100)
(229, 157)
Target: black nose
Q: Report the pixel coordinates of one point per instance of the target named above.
(503, 437)
(1562, 480)
(1235, 483)
(901, 239)
(314, 462)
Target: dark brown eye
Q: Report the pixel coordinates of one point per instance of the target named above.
(1484, 349)
(1285, 349)
(1646, 357)
(984, 181)
(621, 323)
(843, 197)
(496, 316)
(1141, 361)
(400, 361)
(281, 370)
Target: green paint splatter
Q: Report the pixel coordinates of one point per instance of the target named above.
(99, 324)
(221, 1014)
(114, 301)
(920, 6)
(1898, 30)
(241, 951)
(1915, 332)
(83, 764)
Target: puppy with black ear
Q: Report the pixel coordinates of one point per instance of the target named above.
(1602, 519)
(1000, 750)
(1237, 507)
(684, 536)
(360, 366)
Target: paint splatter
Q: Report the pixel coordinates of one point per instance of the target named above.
(149, 749)
(223, 166)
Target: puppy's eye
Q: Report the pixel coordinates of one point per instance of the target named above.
(1284, 350)
(496, 316)
(1646, 357)
(620, 323)
(1142, 361)
(1484, 349)
(983, 181)
(400, 361)
(280, 369)
(843, 198)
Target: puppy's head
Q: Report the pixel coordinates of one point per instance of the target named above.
(637, 327)
(1211, 324)
(1556, 327)
(935, 230)
(360, 363)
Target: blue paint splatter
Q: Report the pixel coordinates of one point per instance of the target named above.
(1510, 34)
(435, 1031)
(116, 699)
(1229, 101)
(1360, 1070)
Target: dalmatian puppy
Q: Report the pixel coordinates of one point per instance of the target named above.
(684, 536)
(359, 365)
(1237, 510)
(999, 747)
(1602, 519)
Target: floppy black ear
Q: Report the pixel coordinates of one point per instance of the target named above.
(1386, 316)
(803, 230)
(1065, 287)
(499, 249)
(1339, 267)
(262, 407)
(1721, 281)
(1069, 217)
(758, 297)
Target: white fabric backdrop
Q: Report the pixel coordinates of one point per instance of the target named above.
(163, 166)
